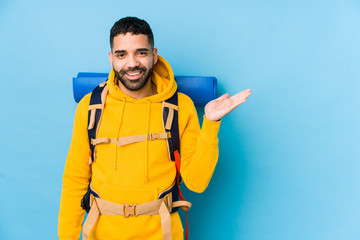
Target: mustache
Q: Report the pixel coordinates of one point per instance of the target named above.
(133, 69)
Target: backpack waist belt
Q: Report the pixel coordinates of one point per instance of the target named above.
(163, 207)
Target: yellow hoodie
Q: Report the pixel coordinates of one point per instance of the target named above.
(138, 172)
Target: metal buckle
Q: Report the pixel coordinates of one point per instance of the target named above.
(153, 136)
(129, 210)
(92, 199)
(168, 201)
(168, 135)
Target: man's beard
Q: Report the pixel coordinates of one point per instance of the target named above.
(134, 85)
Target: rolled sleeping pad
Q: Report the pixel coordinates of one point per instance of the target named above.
(200, 89)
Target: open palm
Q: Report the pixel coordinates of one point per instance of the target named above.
(218, 108)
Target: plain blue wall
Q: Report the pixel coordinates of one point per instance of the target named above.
(289, 162)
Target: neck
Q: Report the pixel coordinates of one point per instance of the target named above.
(148, 90)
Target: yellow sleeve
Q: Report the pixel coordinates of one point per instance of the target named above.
(76, 177)
(198, 148)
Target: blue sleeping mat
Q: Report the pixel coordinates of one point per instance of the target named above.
(200, 89)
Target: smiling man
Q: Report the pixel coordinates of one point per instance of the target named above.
(135, 125)
(133, 58)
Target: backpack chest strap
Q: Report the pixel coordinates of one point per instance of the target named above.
(121, 141)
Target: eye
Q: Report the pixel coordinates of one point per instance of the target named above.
(142, 53)
(120, 55)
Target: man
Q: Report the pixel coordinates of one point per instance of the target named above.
(123, 175)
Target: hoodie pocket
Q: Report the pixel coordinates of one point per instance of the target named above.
(122, 195)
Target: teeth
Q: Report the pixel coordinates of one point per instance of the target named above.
(133, 74)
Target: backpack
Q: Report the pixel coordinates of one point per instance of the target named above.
(171, 134)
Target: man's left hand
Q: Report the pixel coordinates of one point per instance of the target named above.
(218, 108)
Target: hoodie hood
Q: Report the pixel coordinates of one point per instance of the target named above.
(162, 77)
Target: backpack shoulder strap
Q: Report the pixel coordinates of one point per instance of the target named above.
(96, 107)
(171, 125)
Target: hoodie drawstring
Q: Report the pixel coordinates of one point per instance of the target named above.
(118, 130)
(146, 142)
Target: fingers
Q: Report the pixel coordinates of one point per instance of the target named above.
(225, 96)
(240, 97)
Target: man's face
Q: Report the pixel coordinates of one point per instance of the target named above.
(132, 59)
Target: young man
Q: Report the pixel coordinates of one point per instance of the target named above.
(130, 176)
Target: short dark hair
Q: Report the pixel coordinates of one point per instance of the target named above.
(132, 25)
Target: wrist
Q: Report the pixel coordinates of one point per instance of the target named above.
(212, 119)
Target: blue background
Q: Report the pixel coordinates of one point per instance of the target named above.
(289, 157)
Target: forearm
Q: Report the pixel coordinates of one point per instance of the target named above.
(75, 183)
(199, 158)
(71, 214)
(76, 178)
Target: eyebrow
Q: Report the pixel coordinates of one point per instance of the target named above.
(138, 50)
(143, 50)
(120, 51)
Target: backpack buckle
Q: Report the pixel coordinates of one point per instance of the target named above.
(129, 210)
(168, 202)
(153, 136)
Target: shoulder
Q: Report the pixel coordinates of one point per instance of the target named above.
(84, 102)
(83, 106)
(184, 100)
(186, 105)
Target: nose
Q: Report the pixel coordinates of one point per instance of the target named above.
(132, 61)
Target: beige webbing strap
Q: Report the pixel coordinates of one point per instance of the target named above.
(92, 118)
(104, 140)
(92, 109)
(131, 139)
(90, 220)
(103, 95)
(103, 207)
(139, 138)
(157, 136)
(169, 119)
(165, 221)
(183, 205)
(169, 105)
(111, 209)
(95, 106)
(101, 106)
(100, 140)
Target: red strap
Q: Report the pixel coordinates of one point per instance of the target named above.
(177, 164)
(187, 223)
(179, 191)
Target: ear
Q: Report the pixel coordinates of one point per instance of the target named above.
(110, 58)
(155, 55)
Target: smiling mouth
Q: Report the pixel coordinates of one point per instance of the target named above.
(134, 75)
